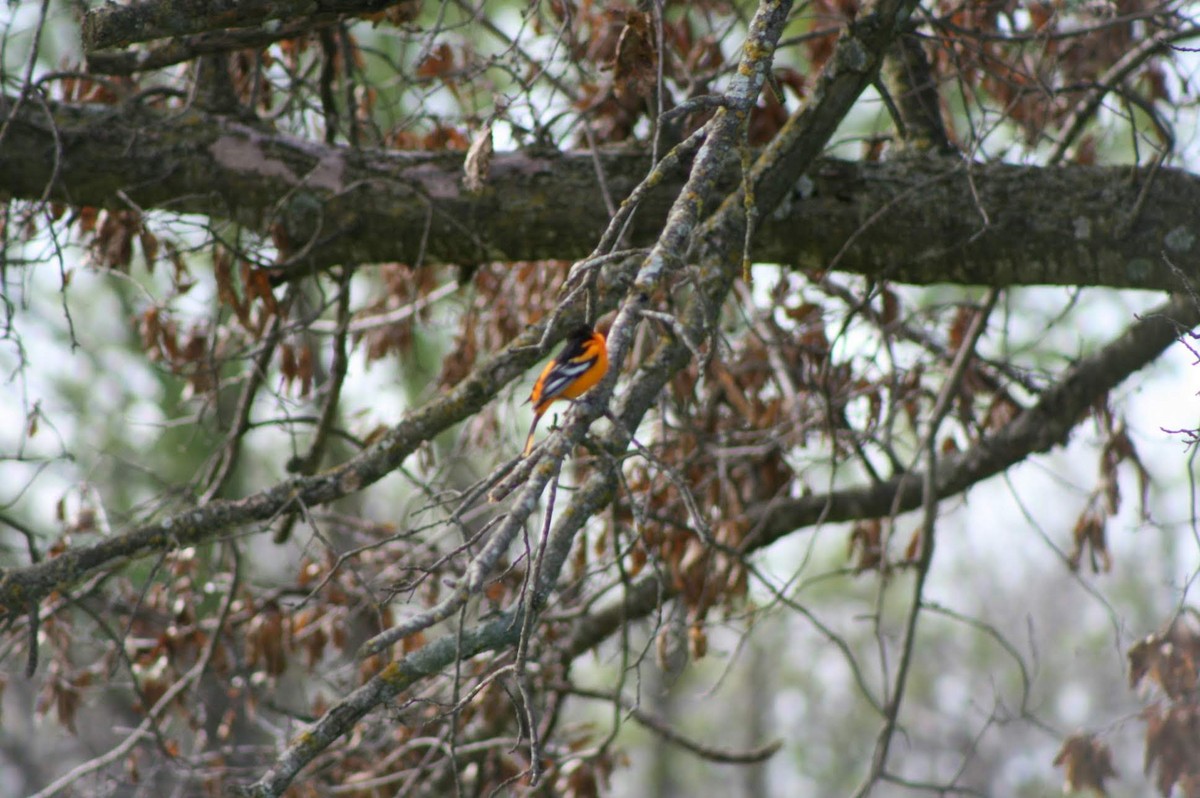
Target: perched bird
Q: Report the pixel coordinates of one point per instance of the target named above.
(580, 365)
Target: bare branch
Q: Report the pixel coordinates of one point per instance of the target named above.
(667, 732)
(928, 450)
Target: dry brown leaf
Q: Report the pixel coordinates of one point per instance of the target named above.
(1088, 763)
(479, 161)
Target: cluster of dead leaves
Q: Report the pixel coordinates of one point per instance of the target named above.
(1088, 763)
(1030, 59)
(693, 501)
(1166, 663)
(1090, 535)
(1169, 661)
(506, 298)
(198, 353)
(617, 46)
(194, 350)
(163, 639)
(167, 628)
(694, 519)
(1173, 747)
(306, 636)
(869, 543)
(400, 287)
(1031, 63)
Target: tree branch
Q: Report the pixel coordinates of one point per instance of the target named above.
(1043, 426)
(663, 729)
(910, 79)
(185, 48)
(112, 25)
(597, 491)
(324, 197)
(1038, 429)
(920, 220)
(21, 588)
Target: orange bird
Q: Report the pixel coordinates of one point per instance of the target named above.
(581, 364)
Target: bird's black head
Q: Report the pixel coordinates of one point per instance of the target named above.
(580, 333)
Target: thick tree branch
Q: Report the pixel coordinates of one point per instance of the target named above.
(112, 25)
(910, 80)
(184, 48)
(921, 220)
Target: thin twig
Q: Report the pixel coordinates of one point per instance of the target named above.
(194, 673)
(930, 504)
(712, 753)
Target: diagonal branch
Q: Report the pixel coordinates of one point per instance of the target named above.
(21, 588)
(1043, 426)
(1040, 428)
(1089, 104)
(722, 237)
(597, 491)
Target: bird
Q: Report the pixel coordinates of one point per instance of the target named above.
(582, 362)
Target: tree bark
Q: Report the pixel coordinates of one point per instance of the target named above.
(117, 25)
(919, 220)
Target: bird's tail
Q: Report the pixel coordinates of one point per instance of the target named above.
(532, 428)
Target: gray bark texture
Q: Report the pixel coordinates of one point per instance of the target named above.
(919, 219)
